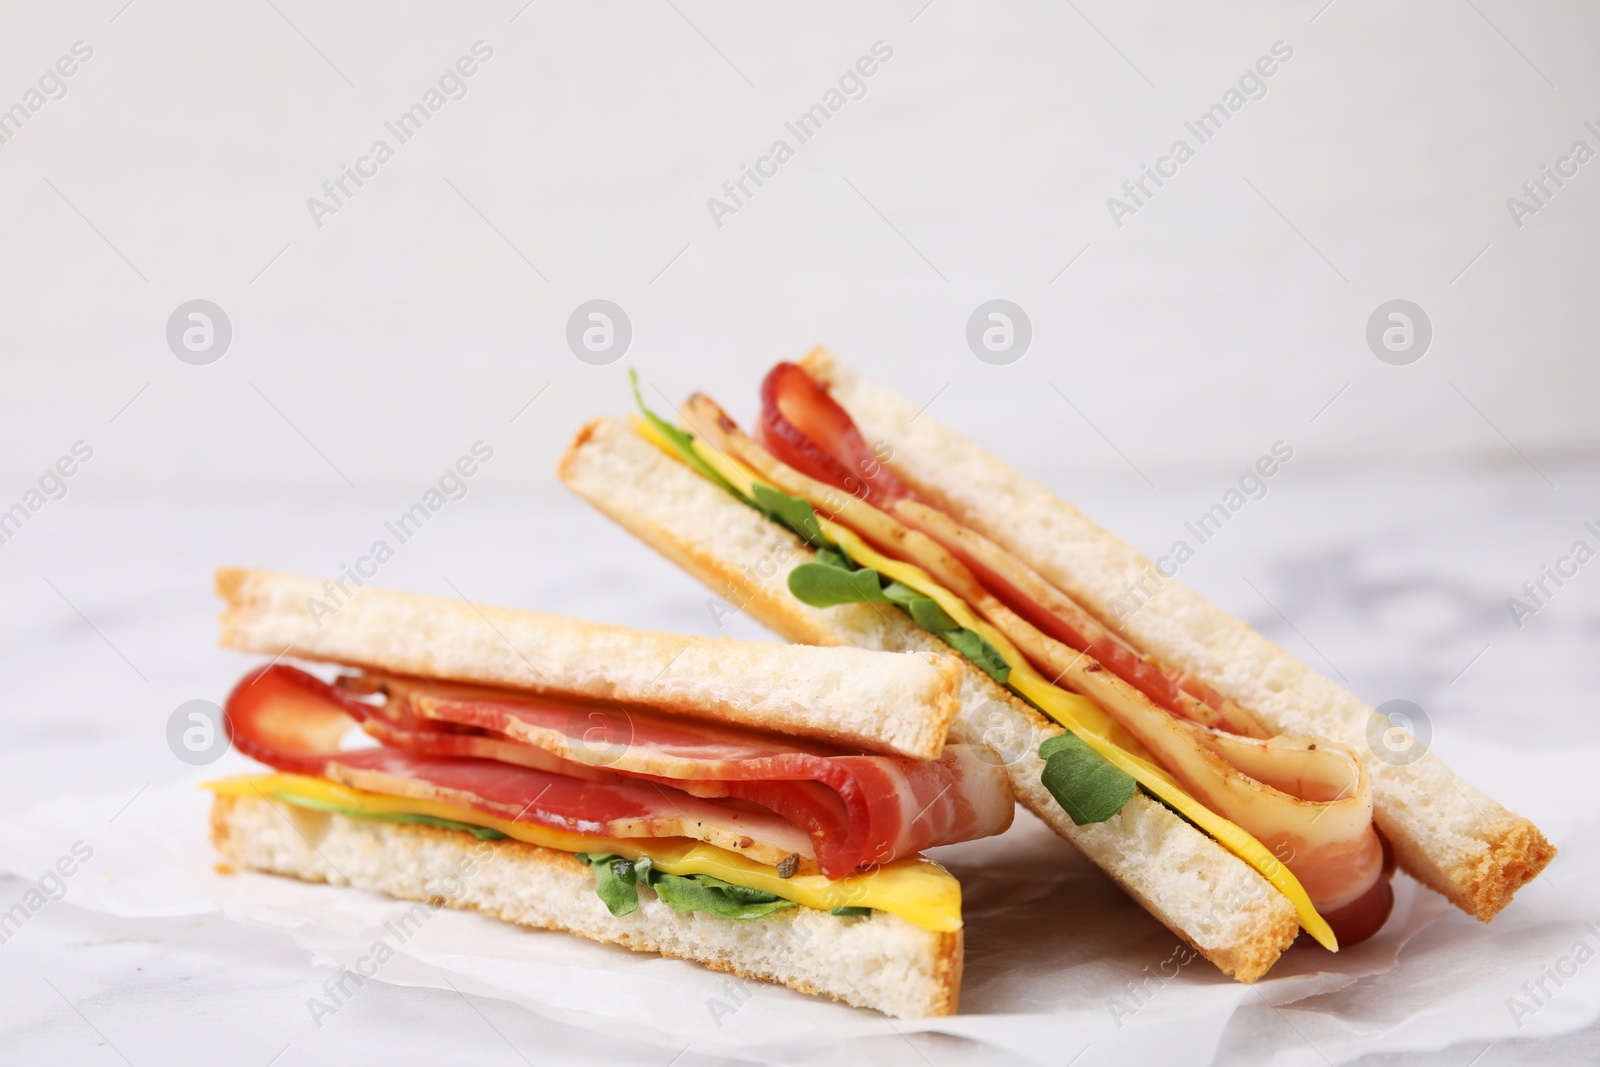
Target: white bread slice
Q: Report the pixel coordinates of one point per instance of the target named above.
(1202, 892)
(891, 704)
(877, 961)
(1444, 832)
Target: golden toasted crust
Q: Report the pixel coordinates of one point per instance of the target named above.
(1195, 887)
(899, 704)
(1445, 833)
(879, 961)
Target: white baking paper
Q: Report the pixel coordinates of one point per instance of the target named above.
(1059, 963)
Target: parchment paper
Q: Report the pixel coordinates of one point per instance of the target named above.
(1052, 948)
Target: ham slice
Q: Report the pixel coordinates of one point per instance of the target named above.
(618, 772)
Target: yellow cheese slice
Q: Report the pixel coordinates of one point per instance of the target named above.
(1077, 713)
(917, 889)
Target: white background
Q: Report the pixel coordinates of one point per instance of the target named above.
(1230, 312)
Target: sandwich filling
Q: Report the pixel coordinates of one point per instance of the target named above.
(625, 786)
(1297, 808)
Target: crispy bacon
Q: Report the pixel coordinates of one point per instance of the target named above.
(616, 772)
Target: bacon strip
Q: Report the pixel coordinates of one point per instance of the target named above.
(643, 775)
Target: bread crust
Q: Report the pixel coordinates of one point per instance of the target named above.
(878, 703)
(1445, 833)
(1199, 890)
(879, 961)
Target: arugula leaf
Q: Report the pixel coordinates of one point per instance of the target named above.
(617, 883)
(681, 441)
(930, 616)
(701, 892)
(848, 910)
(972, 645)
(835, 557)
(822, 586)
(793, 512)
(1086, 784)
(790, 511)
(482, 833)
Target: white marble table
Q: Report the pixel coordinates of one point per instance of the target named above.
(1398, 586)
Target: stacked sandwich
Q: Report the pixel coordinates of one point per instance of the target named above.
(760, 808)
(1228, 787)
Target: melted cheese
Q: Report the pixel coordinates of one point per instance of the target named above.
(1077, 713)
(918, 890)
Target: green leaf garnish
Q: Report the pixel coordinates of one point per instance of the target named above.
(793, 512)
(615, 882)
(482, 833)
(929, 615)
(617, 885)
(835, 557)
(703, 893)
(789, 511)
(824, 583)
(682, 442)
(971, 644)
(823, 586)
(1086, 784)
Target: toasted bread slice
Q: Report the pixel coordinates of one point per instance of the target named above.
(879, 703)
(1444, 832)
(1202, 892)
(878, 961)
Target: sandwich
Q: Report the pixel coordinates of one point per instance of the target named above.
(1229, 788)
(760, 808)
